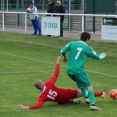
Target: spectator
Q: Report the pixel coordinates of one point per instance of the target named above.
(60, 9)
(51, 8)
(34, 18)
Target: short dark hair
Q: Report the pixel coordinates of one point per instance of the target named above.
(50, 0)
(84, 36)
(31, 3)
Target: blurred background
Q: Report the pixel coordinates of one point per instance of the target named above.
(71, 6)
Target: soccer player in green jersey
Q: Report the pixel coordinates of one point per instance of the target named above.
(79, 52)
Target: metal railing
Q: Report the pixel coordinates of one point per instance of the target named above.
(83, 16)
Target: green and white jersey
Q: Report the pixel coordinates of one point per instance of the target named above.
(79, 52)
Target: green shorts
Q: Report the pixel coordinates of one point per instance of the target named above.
(82, 79)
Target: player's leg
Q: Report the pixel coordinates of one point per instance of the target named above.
(84, 81)
(105, 91)
(96, 94)
(76, 100)
(69, 95)
(83, 89)
(71, 76)
(101, 94)
(90, 92)
(79, 94)
(75, 78)
(92, 99)
(80, 83)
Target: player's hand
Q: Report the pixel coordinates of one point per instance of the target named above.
(58, 59)
(21, 106)
(102, 55)
(65, 60)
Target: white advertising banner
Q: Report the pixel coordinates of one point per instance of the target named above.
(109, 28)
(50, 25)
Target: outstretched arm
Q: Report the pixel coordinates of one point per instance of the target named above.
(102, 55)
(94, 55)
(36, 106)
(57, 70)
(22, 107)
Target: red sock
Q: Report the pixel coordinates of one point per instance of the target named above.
(98, 94)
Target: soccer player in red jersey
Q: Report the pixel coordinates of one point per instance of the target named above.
(49, 92)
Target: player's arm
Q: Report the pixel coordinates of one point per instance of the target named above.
(36, 106)
(64, 50)
(94, 55)
(57, 70)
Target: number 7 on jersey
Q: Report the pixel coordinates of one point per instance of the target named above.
(78, 53)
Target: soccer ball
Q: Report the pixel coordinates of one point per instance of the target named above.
(113, 94)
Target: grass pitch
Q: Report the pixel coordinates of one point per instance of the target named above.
(25, 58)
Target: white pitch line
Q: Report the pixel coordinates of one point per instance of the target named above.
(53, 64)
(26, 58)
(22, 72)
(102, 73)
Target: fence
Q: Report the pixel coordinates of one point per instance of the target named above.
(83, 21)
(39, 6)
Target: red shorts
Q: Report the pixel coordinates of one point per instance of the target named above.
(67, 95)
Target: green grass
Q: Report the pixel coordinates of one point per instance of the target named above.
(25, 58)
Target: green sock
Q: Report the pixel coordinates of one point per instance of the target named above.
(84, 92)
(91, 96)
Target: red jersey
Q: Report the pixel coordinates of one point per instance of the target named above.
(53, 93)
